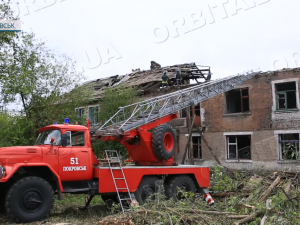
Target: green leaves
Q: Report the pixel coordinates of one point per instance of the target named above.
(113, 99)
(40, 79)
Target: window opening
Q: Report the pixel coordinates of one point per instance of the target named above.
(289, 146)
(196, 144)
(237, 101)
(197, 109)
(93, 115)
(80, 112)
(75, 138)
(239, 147)
(286, 96)
(183, 113)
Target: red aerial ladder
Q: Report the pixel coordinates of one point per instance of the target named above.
(62, 160)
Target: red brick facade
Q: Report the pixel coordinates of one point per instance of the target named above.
(265, 124)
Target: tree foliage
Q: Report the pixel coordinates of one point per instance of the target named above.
(13, 128)
(42, 80)
(113, 99)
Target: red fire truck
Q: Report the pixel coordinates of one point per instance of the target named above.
(62, 159)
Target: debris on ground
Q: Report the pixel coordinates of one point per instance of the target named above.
(240, 198)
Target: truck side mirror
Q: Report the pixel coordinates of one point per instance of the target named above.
(64, 139)
(52, 140)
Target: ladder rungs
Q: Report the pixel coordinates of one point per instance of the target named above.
(115, 168)
(122, 188)
(119, 178)
(125, 199)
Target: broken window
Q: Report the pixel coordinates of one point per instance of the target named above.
(289, 146)
(239, 147)
(197, 109)
(196, 143)
(80, 112)
(286, 96)
(93, 115)
(237, 101)
(183, 113)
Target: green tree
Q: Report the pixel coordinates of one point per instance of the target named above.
(43, 81)
(113, 99)
(13, 127)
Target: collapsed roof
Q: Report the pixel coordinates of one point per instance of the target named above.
(149, 79)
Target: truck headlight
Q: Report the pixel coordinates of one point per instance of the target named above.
(2, 172)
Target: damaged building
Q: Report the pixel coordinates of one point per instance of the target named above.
(254, 126)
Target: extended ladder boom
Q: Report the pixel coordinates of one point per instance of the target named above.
(133, 116)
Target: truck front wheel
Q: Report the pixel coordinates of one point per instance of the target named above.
(29, 199)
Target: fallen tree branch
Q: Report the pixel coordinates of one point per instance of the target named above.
(249, 218)
(207, 212)
(268, 191)
(252, 194)
(287, 187)
(188, 217)
(268, 207)
(285, 194)
(237, 216)
(223, 194)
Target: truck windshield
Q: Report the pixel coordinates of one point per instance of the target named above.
(44, 138)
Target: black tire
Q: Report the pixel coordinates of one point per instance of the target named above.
(29, 199)
(147, 187)
(2, 203)
(176, 184)
(164, 142)
(110, 199)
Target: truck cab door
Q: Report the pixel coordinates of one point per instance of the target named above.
(74, 159)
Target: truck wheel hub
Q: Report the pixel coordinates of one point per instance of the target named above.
(31, 200)
(168, 141)
(148, 191)
(181, 190)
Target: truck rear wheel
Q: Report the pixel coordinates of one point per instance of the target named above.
(147, 187)
(29, 199)
(177, 185)
(164, 142)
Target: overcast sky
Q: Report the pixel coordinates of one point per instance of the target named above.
(113, 37)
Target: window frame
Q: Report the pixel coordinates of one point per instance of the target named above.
(274, 94)
(198, 144)
(70, 136)
(181, 115)
(227, 134)
(80, 112)
(241, 99)
(92, 119)
(281, 142)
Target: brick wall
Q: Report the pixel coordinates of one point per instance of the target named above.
(261, 122)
